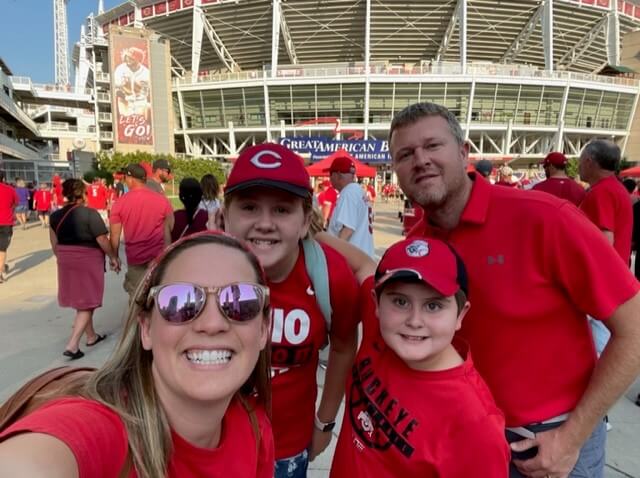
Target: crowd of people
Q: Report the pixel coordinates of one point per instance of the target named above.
(495, 336)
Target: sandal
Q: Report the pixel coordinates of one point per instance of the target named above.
(78, 354)
(99, 338)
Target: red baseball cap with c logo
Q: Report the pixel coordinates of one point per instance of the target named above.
(269, 165)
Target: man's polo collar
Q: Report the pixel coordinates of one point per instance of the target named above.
(475, 211)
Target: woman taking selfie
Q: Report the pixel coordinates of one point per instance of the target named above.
(186, 391)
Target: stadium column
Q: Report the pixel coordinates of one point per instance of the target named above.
(563, 108)
(137, 17)
(197, 33)
(547, 34)
(613, 35)
(462, 19)
(275, 36)
(367, 72)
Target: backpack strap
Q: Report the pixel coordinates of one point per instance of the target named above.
(21, 401)
(315, 262)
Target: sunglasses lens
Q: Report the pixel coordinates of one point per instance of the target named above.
(241, 302)
(179, 303)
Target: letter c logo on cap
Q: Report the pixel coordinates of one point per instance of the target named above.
(257, 162)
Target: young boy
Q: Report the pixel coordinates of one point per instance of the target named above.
(415, 405)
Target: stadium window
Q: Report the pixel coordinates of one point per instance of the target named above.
(527, 117)
(588, 122)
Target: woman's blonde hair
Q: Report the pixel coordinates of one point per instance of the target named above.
(125, 382)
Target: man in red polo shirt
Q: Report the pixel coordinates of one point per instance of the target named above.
(557, 182)
(532, 282)
(8, 202)
(147, 219)
(608, 206)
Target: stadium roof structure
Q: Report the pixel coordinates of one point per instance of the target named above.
(237, 34)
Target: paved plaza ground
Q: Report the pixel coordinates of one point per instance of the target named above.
(34, 331)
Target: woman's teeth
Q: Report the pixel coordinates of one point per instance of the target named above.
(209, 357)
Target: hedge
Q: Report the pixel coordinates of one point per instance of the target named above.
(180, 167)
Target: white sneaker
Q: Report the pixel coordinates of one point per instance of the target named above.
(609, 426)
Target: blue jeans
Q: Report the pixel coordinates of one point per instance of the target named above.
(591, 460)
(293, 467)
(600, 333)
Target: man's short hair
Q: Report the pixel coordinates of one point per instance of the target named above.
(604, 153)
(415, 112)
(2, 176)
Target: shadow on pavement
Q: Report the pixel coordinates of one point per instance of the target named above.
(27, 261)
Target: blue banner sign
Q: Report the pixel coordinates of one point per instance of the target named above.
(318, 147)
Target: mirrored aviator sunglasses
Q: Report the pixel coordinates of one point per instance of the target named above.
(182, 302)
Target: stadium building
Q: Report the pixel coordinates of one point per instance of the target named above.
(523, 76)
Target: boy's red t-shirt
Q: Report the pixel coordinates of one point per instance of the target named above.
(97, 438)
(298, 332)
(401, 422)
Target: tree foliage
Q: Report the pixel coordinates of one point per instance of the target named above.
(180, 167)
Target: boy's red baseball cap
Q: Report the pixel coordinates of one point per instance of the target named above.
(269, 165)
(429, 260)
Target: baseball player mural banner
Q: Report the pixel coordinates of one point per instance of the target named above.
(131, 88)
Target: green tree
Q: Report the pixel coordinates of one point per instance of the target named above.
(180, 167)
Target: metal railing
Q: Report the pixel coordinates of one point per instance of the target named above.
(104, 97)
(108, 117)
(425, 69)
(10, 105)
(62, 127)
(106, 135)
(22, 83)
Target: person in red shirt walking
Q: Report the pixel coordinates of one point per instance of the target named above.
(42, 201)
(9, 200)
(531, 289)
(557, 182)
(97, 197)
(146, 218)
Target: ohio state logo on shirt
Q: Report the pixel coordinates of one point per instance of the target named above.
(289, 334)
(258, 162)
(379, 420)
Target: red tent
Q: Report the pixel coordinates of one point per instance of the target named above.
(631, 172)
(362, 170)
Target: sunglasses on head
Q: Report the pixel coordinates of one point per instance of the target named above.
(182, 302)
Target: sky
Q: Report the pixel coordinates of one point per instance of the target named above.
(26, 34)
